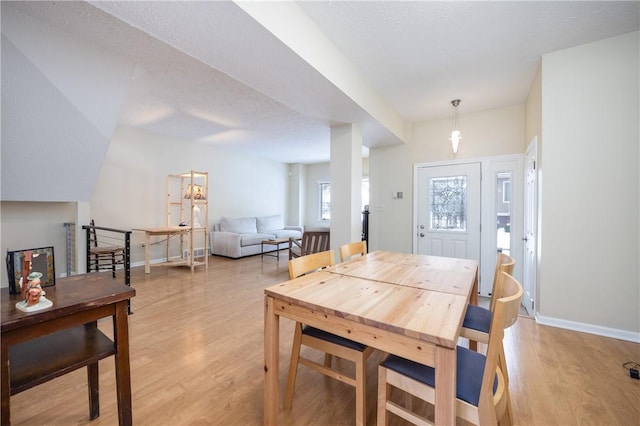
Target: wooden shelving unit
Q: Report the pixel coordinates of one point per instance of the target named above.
(188, 207)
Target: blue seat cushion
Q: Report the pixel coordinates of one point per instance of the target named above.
(329, 337)
(470, 368)
(477, 318)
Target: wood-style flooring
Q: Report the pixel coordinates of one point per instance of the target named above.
(197, 359)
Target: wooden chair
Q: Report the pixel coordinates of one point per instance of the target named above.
(328, 343)
(477, 320)
(482, 395)
(313, 241)
(103, 255)
(352, 249)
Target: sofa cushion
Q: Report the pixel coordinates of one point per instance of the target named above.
(270, 223)
(287, 233)
(241, 225)
(253, 239)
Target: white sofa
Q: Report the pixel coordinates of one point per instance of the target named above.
(239, 237)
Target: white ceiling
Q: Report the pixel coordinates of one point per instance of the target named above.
(208, 71)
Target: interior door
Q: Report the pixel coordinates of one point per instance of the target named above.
(530, 229)
(448, 217)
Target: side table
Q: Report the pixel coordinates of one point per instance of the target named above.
(40, 346)
(276, 243)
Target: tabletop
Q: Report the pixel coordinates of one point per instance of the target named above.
(419, 296)
(69, 295)
(444, 274)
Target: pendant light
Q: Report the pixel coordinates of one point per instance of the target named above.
(455, 132)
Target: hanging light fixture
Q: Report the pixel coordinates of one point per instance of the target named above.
(455, 132)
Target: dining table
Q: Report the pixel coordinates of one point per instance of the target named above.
(405, 304)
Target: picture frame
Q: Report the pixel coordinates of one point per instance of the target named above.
(43, 261)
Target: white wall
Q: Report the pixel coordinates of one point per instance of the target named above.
(131, 193)
(315, 174)
(26, 225)
(56, 89)
(131, 190)
(590, 185)
(485, 134)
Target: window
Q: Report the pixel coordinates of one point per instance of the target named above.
(448, 197)
(325, 201)
(506, 190)
(325, 198)
(503, 211)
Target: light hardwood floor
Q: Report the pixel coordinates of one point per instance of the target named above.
(197, 359)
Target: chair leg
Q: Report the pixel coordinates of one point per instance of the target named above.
(383, 390)
(509, 409)
(293, 365)
(502, 363)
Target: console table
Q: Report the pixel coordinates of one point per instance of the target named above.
(168, 232)
(40, 346)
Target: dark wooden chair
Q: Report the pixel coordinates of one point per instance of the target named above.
(104, 254)
(313, 241)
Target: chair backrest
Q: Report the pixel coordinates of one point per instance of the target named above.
(504, 263)
(352, 249)
(505, 315)
(94, 234)
(311, 262)
(314, 241)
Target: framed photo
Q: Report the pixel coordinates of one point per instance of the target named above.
(42, 261)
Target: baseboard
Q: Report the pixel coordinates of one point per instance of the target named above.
(589, 328)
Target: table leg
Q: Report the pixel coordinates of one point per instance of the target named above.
(474, 291)
(473, 345)
(93, 382)
(445, 413)
(147, 253)
(123, 368)
(6, 386)
(271, 353)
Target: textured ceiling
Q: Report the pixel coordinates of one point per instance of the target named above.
(207, 71)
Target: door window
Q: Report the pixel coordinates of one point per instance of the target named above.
(448, 210)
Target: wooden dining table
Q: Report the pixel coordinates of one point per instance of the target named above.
(405, 304)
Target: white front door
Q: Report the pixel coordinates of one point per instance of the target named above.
(448, 216)
(530, 226)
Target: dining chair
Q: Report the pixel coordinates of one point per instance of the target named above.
(477, 320)
(482, 395)
(326, 342)
(103, 255)
(313, 241)
(352, 249)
